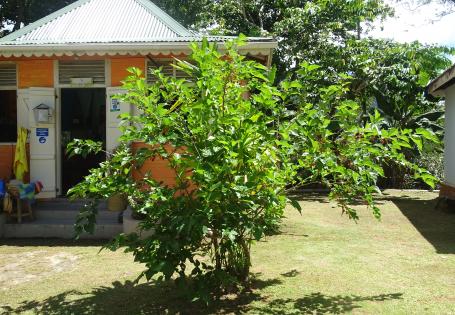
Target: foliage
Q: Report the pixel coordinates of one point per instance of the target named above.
(111, 177)
(308, 30)
(337, 146)
(231, 173)
(386, 75)
(394, 80)
(237, 143)
(432, 159)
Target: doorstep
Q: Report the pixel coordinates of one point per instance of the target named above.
(56, 218)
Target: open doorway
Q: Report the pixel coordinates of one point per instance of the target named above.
(83, 116)
(8, 116)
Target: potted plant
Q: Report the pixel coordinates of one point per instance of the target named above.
(117, 202)
(116, 169)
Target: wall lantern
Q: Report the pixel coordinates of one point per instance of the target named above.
(43, 113)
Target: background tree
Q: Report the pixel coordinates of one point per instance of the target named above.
(18, 13)
(311, 30)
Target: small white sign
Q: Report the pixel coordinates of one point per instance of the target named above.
(115, 105)
(82, 81)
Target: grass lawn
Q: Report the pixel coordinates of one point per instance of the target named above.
(320, 263)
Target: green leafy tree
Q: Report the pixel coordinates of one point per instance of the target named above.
(394, 82)
(237, 144)
(308, 30)
(337, 145)
(332, 35)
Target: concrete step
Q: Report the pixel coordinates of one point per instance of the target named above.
(60, 228)
(66, 210)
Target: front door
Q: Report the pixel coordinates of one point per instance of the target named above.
(83, 116)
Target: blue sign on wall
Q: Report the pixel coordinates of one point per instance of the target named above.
(42, 140)
(42, 132)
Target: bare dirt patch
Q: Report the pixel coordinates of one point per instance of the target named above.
(32, 266)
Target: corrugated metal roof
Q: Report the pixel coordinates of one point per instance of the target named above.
(101, 21)
(111, 27)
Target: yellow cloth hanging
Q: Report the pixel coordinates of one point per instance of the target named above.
(20, 159)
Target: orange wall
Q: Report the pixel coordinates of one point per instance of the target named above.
(119, 68)
(7, 152)
(36, 73)
(158, 168)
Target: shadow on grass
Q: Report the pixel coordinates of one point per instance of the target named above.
(437, 226)
(152, 298)
(128, 298)
(318, 303)
(321, 197)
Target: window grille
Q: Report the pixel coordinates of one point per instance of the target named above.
(94, 69)
(8, 77)
(165, 65)
(167, 69)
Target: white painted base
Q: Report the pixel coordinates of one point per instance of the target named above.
(131, 225)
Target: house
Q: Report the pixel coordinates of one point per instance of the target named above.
(444, 86)
(59, 74)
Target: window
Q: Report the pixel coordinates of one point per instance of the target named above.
(8, 102)
(167, 69)
(8, 116)
(165, 65)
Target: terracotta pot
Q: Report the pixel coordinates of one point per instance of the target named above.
(117, 202)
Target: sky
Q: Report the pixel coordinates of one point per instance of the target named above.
(432, 23)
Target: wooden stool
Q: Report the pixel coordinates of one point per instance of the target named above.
(14, 193)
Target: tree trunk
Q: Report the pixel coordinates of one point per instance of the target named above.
(246, 259)
(20, 13)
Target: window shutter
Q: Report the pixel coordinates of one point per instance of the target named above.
(179, 74)
(94, 69)
(8, 77)
(165, 64)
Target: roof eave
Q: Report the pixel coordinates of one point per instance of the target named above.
(438, 85)
(39, 50)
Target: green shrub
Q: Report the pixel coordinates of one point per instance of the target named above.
(236, 143)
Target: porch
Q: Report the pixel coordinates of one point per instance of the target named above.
(55, 218)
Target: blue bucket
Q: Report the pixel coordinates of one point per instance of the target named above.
(2, 188)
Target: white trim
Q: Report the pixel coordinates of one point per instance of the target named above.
(107, 73)
(58, 130)
(121, 49)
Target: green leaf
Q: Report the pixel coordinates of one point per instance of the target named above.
(296, 205)
(256, 117)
